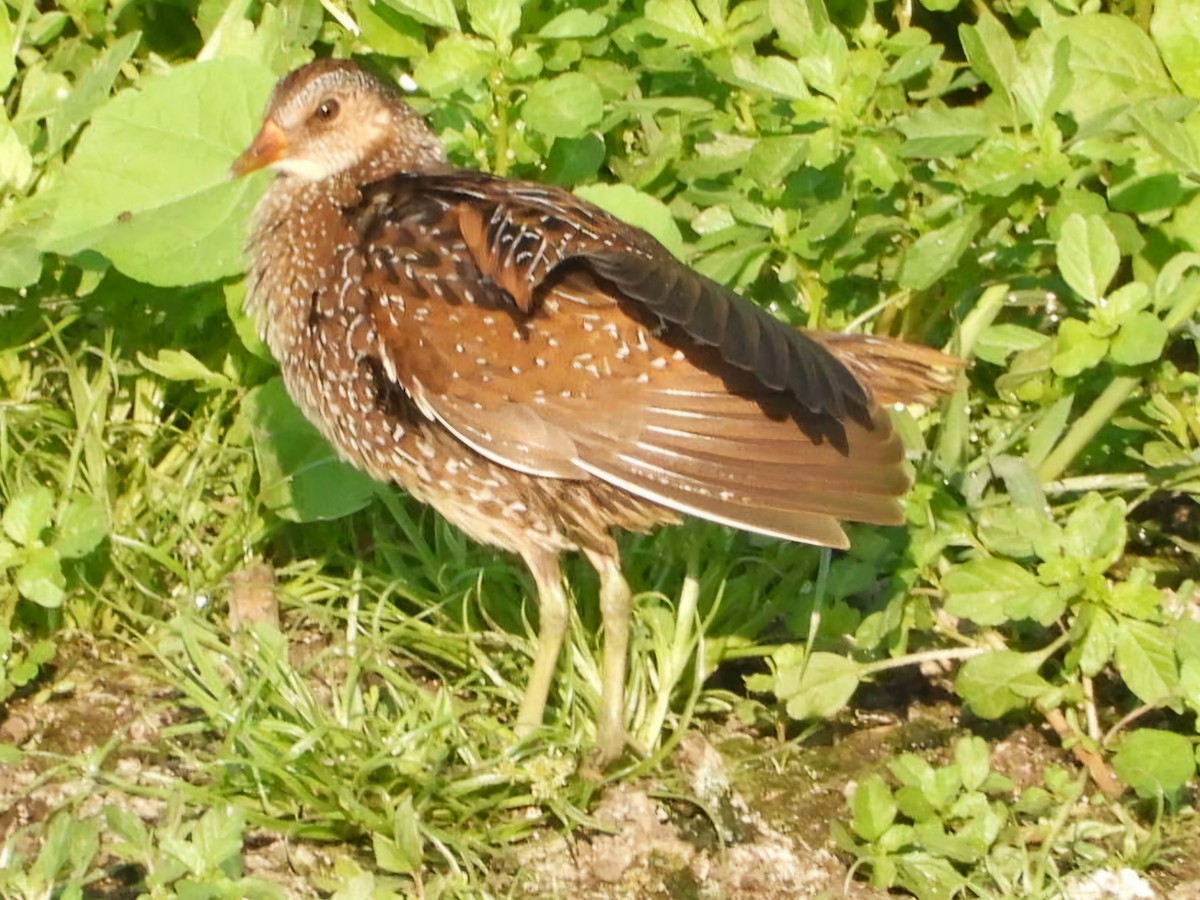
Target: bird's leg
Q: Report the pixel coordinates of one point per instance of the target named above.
(552, 626)
(614, 612)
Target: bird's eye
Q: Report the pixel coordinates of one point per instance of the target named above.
(327, 111)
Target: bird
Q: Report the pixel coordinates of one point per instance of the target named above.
(542, 373)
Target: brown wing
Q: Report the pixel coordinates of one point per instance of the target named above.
(560, 342)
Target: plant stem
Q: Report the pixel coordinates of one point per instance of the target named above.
(1085, 428)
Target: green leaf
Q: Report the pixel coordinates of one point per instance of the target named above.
(1088, 255)
(89, 92)
(403, 851)
(873, 809)
(768, 74)
(8, 50)
(1154, 762)
(83, 526)
(935, 131)
(1113, 63)
(217, 836)
(180, 365)
(797, 22)
(678, 21)
(1145, 658)
(818, 690)
(574, 160)
(495, 19)
(302, 478)
(637, 208)
(1095, 531)
(440, 13)
(16, 162)
(1136, 596)
(41, 578)
(1099, 642)
(1076, 349)
(991, 52)
(574, 23)
(1175, 27)
(991, 591)
(565, 106)
(973, 760)
(999, 682)
(20, 260)
(28, 514)
(933, 255)
(148, 186)
(457, 62)
(1141, 340)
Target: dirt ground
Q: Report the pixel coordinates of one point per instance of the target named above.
(757, 827)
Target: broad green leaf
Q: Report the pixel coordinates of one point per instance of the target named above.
(1088, 255)
(1145, 658)
(440, 13)
(1095, 531)
(1099, 642)
(89, 92)
(20, 260)
(1076, 348)
(83, 526)
(456, 63)
(973, 759)
(1018, 531)
(769, 74)
(179, 365)
(1137, 596)
(41, 578)
(991, 591)
(574, 23)
(28, 514)
(16, 162)
(999, 682)
(1166, 128)
(1175, 27)
(1155, 762)
(873, 808)
(1113, 63)
(404, 851)
(389, 32)
(797, 21)
(8, 50)
(637, 208)
(817, 690)
(991, 52)
(934, 131)
(934, 254)
(574, 160)
(914, 61)
(302, 478)
(565, 106)
(217, 836)
(148, 186)
(1043, 79)
(1141, 340)
(998, 342)
(1189, 682)
(495, 19)
(678, 21)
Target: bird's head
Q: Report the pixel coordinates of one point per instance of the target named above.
(333, 116)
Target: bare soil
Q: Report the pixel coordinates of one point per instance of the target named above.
(741, 814)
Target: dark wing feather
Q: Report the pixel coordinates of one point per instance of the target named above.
(586, 351)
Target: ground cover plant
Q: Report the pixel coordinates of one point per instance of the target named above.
(231, 666)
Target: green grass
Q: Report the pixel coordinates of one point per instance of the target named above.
(1020, 185)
